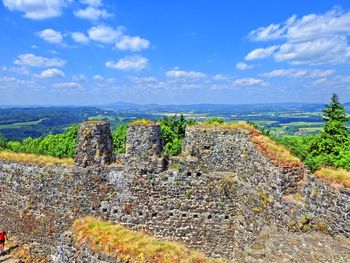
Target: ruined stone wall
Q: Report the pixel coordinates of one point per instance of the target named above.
(328, 205)
(223, 149)
(39, 202)
(197, 201)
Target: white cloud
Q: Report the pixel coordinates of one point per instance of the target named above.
(92, 13)
(91, 2)
(129, 63)
(32, 60)
(63, 85)
(260, 53)
(177, 73)
(272, 32)
(316, 52)
(248, 82)
(104, 34)
(51, 73)
(37, 9)
(80, 37)
(51, 36)
(243, 66)
(312, 39)
(298, 73)
(132, 43)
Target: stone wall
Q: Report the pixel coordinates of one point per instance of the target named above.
(215, 198)
(69, 251)
(94, 145)
(209, 149)
(328, 206)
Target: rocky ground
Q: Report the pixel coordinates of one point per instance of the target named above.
(274, 246)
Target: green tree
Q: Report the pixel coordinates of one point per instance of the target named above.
(119, 139)
(328, 149)
(214, 121)
(173, 131)
(3, 143)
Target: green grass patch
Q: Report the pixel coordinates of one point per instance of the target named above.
(19, 125)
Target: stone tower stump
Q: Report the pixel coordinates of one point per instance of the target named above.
(144, 146)
(143, 139)
(94, 144)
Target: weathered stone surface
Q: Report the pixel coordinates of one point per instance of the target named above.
(276, 246)
(94, 145)
(144, 146)
(144, 141)
(216, 198)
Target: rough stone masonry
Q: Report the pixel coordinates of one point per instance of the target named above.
(216, 197)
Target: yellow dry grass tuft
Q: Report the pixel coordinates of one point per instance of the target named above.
(116, 240)
(236, 125)
(143, 122)
(336, 177)
(35, 159)
(276, 152)
(94, 122)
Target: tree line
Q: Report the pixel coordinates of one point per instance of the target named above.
(329, 148)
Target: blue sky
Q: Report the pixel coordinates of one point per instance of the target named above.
(89, 52)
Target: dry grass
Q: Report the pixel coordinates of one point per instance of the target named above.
(334, 176)
(237, 125)
(116, 240)
(276, 152)
(94, 122)
(143, 122)
(34, 159)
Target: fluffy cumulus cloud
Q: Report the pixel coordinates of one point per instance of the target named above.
(132, 43)
(80, 37)
(108, 35)
(104, 34)
(32, 60)
(260, 53)
(313, 39)
(177, 73)
(243, 66)
(299, 73)
(37, 9)
(51, 73)
(92, 13)
(129, 63)
(51, 36)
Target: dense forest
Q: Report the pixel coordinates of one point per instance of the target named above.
(331, 147)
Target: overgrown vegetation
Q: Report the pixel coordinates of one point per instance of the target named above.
(133, 246)
(173, 132)
(59, 145)
(119, 139)
(340, 177)
(331, 147)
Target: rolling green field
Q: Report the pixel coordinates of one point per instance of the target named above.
(280, 119)
(20, 125)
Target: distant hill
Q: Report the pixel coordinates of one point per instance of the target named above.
(18, 123)
(215, 108)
